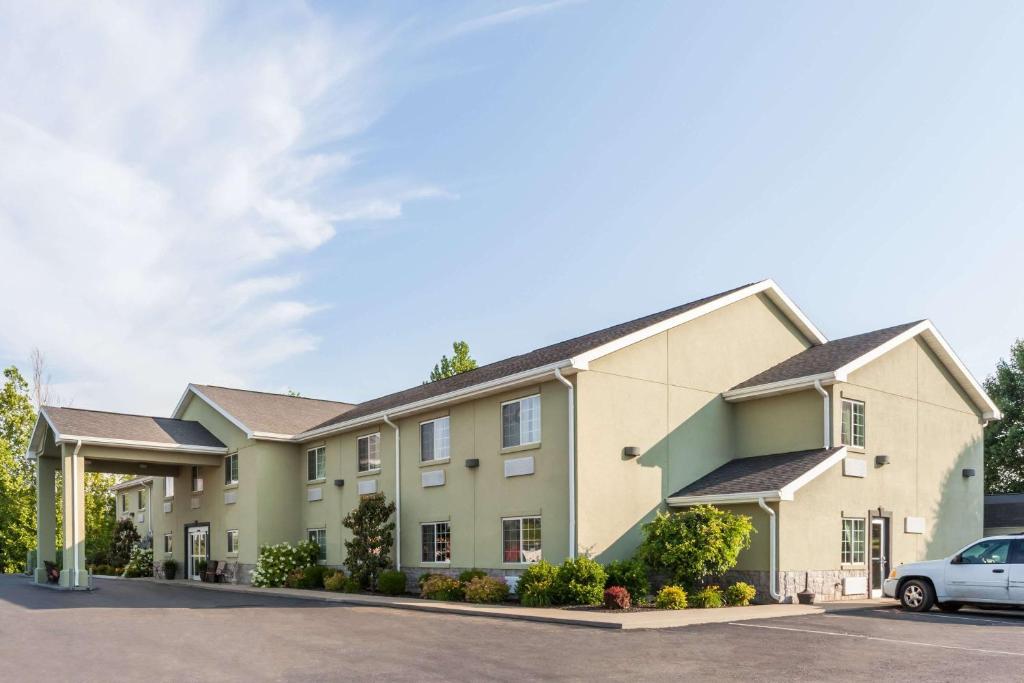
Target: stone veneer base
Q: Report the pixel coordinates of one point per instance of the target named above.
(826, 584)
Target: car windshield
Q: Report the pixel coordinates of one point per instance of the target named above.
(987, 552)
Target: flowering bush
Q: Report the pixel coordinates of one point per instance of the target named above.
(276, 562)
(616, 597)
(740, 594)
(486, 589)
(670, 597)
(442, 588)
(709, 596)
(140, 563)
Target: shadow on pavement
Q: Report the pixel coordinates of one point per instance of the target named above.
(968, 616)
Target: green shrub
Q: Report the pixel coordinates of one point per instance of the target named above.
(351, 586)
(313, 576)
(670, 597)
(391, 582)
(368, 553)
(697, 544)
(140, 563)
(630, 574)
(125, 538)
(536, 585)
(470, 574)
(740, 594)
(579, 582)
(296, 579)
(335, 581)
(486, 590)
(442, 588)
(708, 596)
(170, 569)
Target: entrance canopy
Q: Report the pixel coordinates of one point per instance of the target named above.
(79, 441)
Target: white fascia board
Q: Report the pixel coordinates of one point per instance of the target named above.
(39, 435)
(781, 387)
(791, 488)
(803, 323)
(843, 373)
(726, 498)
(141, 445)
(132, 483)
(193, 389)
(271, 436)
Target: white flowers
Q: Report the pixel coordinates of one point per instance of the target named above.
(275, 562)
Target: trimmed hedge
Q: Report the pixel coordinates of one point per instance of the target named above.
(670, 597)
(709, 596)
(391, 582)
(740, 594)
(536, 585)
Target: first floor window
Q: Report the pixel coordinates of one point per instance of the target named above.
(853, 432)
(168, 543)
(520, 539)
(369, 452)
(197, 481)
(124, 502)
(854, 549)
(142, 499)
(168, 487)
(231, 469)
(316, 463)
(319, 536)
(233, 541)
(434, 440)
(520, 422)
(437, 542)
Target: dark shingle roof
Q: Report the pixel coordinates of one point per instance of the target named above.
(1004, 510)
(104, 425)
(273, 413)
(825, 357)
(759, 473)
(516, 364)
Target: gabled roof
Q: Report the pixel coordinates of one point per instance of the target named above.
(834, 361)
(772, 477)
(1004, 510)
(264, 415)
(572, 354)
(131, 483)
(123, 429)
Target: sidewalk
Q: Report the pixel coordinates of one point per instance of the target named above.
(648, 619)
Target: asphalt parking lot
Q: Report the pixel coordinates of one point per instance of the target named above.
(131, 630)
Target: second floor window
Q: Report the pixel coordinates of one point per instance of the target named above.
(231, 469)
(316, 463)
(197, 481)
(142, 499)
(434, 440)
(520, 422)
(168, 487)
(369, 452)
(853, 431)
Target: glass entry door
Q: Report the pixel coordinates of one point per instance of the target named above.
(879, 559)
(196, 551)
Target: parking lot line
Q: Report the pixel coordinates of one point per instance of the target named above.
(958, 617)
(884, 640)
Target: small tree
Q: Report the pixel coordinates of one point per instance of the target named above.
(460, 361)
(1004, 439)
(125, 538)
(373, 534)
(696, 545)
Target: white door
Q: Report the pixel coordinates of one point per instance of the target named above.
(980, 572)
(196, 551)
(879, 560)
(1016, 571)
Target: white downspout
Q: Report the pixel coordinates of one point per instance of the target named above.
(572, 462)
(772, 552)
(398, 494)
(827, 417)
(74, 509)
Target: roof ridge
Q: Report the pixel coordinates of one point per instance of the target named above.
(275, 393)
(115, 412)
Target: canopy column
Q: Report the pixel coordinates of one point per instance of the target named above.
(74, 575)
(46, 514)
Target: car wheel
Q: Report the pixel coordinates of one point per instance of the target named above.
(917, 596)
(950, 606)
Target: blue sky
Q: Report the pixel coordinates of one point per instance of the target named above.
(320, 198)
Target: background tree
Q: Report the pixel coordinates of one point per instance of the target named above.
(124, 539)
(1004, 439)
(459, 362)
(17, 475)
(373, 534)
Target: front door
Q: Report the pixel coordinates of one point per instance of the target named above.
(981, 572)
(197, 539)
(879, 556)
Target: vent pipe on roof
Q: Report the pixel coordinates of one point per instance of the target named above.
(827, 419)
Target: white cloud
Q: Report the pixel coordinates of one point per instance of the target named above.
(506, 16)
(156, 162)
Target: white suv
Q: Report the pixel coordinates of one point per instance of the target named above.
(987, 572)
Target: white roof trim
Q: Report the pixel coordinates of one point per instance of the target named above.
(44, 419)
(773, 388)
(193, 389)
(144, 445)
(792, 487)
(132, 483)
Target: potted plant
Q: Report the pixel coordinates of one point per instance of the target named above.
(201, 569)
(170, 569)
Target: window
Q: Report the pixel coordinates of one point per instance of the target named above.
(168, 487)
(316, 463)
(142, 499)
(434, 440)
(854, 547)
(437, 542)
(369, 452)
(520, 422)
(231, 469)
(853, 423)
(1017, 553)
(197, 481)
(995, 551)
(521, 539)
(233, 541)
(169, 543)
(319, 536)
(124, 502)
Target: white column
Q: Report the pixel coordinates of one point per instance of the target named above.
(74, 520)
(46, 515)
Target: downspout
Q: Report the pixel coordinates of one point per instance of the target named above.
(74, 508)
(572, 461)
(772, 552)
(827, 417)
(398, 494)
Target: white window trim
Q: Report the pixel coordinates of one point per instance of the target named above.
(170, 535)
(324, 473)
(864, 410)
(521, 518)
(323, 545)
(227, 458)
(198, 480)
(168, 496)
(227, 536)
(434, 524)
(141, 496)
(435, 459)
(853, 545)
(501, 422)
(370, 470)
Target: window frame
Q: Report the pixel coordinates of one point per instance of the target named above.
(435, 437)
(169, 543)
(232, 545)
(850, 438)
(521, 443)
(319, 462)
(849, 555)
(359, 460)
(434, 544)
(195, 481)
(168, 487)
(124, 502)
(540, 533)
(141, 499)
(322, 556)
(231, 468)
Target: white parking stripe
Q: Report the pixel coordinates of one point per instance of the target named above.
(884, 640)
(937, 615)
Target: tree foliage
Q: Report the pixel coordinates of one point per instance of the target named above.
(460, 361)
(701, 543)
(1004, 439)
(125, 538)
(368, 553)
(17, 476)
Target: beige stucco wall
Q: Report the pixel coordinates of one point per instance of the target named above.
(779, 424)
(915, 414)
(663, 395)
